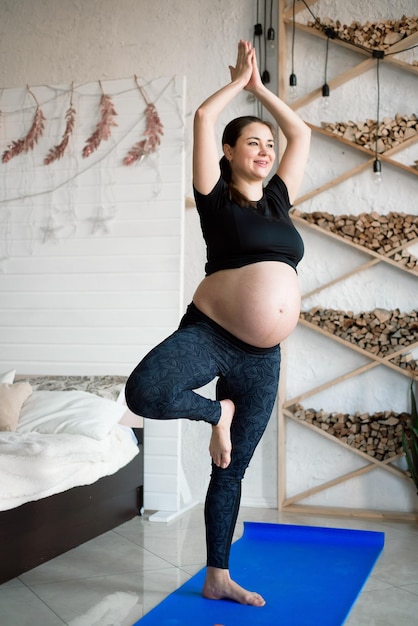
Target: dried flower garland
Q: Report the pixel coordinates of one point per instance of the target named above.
(57, 152)
(153, 130)
(29, 141)
(103, 128)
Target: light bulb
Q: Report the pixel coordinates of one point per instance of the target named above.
(293, 85)
(271, 37)
(377, 170)
(325, 96)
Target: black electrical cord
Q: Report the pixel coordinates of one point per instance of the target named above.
(292, 79)
(377, 165)
(258, 27)
(293, 37)
(309, 9)
(325, 86)
(378, 92)
(265, 77)
(271, 35)
(258, 32)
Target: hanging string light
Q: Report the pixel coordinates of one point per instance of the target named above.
(292, 78)
(263, 41)
(377, 164)
(325, 86)
(271, 35)
(266, 75)
(258, 31)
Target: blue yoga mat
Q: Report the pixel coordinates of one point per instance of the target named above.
(309, 576)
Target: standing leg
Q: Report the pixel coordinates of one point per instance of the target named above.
(252, 386)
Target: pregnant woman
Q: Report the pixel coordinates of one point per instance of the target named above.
(245, 306)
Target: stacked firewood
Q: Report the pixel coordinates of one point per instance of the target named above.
(388, 132)
(379, 435)
(406, 362)
(381, 233)
(374, 35)
(379, 332)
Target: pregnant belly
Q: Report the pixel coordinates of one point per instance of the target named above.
(258, 303)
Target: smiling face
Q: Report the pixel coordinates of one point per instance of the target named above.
(253, 155)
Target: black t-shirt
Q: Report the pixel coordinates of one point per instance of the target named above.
(236, 236)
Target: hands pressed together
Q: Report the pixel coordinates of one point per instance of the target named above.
(246, 68)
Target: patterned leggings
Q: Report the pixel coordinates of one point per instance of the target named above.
(161, 387)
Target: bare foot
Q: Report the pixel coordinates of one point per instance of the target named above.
(220, 442)
(219, 586)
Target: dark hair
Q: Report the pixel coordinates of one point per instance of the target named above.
(231, 134)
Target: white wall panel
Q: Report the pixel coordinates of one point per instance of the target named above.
(91, 297)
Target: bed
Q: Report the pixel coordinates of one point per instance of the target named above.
(71, 465)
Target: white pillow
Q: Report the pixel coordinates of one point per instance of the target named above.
(12, 396)
(8, 377)
(71, 412)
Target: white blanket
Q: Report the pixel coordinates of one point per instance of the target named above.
(34, 465)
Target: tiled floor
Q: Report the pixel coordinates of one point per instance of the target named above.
(116, 578)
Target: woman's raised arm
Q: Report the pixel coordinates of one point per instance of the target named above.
(205, 150)
(291, 166)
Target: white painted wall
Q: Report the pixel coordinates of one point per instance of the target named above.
(54, 42)
(91, 248)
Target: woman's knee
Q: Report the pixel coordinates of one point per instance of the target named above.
(133, 395)
(145, 397)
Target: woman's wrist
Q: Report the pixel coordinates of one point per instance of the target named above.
(257, 90)
(238, 82)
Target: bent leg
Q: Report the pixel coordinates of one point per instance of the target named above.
(161, 386)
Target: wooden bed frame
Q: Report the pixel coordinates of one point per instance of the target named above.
(38, 531)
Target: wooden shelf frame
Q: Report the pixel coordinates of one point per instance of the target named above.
(332, 382)
(371, 465)
(367, 164)
(359, 68)
(377, 256)
(292, 503)
(375, 360)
